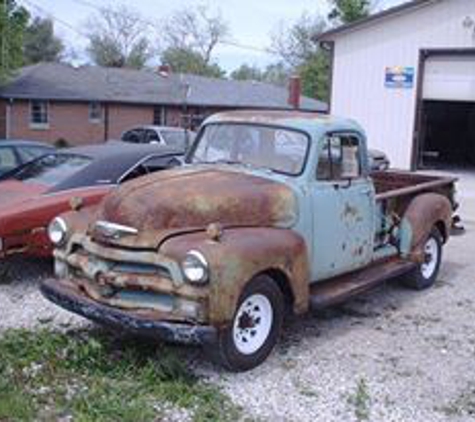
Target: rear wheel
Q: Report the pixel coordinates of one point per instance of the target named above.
(425, 275)
(255, 327)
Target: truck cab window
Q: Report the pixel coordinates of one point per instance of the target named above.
(339, 158)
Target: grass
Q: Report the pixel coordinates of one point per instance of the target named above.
(360, 400)
(94, 376)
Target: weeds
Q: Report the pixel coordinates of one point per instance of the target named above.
(94, 376)
(360, 400)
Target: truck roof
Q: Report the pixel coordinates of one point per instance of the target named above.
(307, 121)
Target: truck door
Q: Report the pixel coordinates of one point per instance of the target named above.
(343, 207)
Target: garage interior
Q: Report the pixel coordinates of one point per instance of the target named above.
(447, 119)
(448, 129)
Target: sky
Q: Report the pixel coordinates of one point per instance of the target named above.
(251, 22)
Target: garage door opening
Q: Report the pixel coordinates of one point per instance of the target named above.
(446, 111)
(448, 134)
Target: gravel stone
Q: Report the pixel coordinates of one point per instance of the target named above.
(413, 351)
(21, 303)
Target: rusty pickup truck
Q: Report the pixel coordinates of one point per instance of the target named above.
(276, 212)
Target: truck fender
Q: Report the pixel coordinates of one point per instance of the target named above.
(423, 213)
(238, 256)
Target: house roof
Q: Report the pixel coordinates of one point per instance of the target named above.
(55, 81)
(391, 12)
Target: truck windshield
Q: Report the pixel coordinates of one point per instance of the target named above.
(274, 148)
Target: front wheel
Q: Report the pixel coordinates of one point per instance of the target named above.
(425, 274)
(255, 327)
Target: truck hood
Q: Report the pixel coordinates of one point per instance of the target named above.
(188, 199)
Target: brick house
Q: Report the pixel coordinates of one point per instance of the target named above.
(51, 102)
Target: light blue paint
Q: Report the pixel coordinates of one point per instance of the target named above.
(338, 220)
(405, 237)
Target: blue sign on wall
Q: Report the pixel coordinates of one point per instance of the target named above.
(399, 77)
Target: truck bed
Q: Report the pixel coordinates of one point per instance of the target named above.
(393, 183)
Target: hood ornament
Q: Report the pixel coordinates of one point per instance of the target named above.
(113, 230)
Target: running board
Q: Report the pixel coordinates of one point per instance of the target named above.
(341, 288)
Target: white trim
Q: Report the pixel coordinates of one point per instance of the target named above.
(39, 125)
(95, 120)
(139, 163)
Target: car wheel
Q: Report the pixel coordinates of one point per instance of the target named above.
(255, 327)
(425, 275)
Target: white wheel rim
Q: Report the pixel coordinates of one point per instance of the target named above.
(252, 324)
(431, 257)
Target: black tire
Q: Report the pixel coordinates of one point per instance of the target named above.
(227, 351)
(425, 275)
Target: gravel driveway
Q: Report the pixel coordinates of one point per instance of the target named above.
(392, 355)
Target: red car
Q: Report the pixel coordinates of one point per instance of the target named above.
(32, 195)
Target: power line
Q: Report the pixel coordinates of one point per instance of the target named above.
(55, 18)
(154, 25)
(147, 22)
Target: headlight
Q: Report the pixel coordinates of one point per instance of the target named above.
(195, 267)
(57, 231)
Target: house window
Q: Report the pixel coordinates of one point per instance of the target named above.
(39, 113)
(95, 111)
(159, 116)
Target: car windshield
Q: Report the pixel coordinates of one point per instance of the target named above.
(274, 148)
(52, 169)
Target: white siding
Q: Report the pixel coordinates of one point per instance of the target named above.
(449, 78)
(362, 56)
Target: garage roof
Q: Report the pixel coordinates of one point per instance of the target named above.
(393, 11)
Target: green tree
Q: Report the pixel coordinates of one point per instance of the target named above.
(13, 21)
(246, 72)
(347, 11)
(188, 39)
(195, 29)
(275, 73)
(40, 42)
(302, 55)
(117, 40)
(315, 74)
(185, 60)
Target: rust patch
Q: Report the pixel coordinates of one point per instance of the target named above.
(183, 200)
(422, 214)
(242, 254)
(268, 116)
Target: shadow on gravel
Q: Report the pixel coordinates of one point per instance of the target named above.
(24, 270)
(369, 309)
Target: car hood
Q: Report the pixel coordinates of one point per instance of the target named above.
(187, 199)
(14, 192)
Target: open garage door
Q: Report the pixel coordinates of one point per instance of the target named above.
(448, 112)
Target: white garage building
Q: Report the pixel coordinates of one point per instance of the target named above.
(408, 76)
